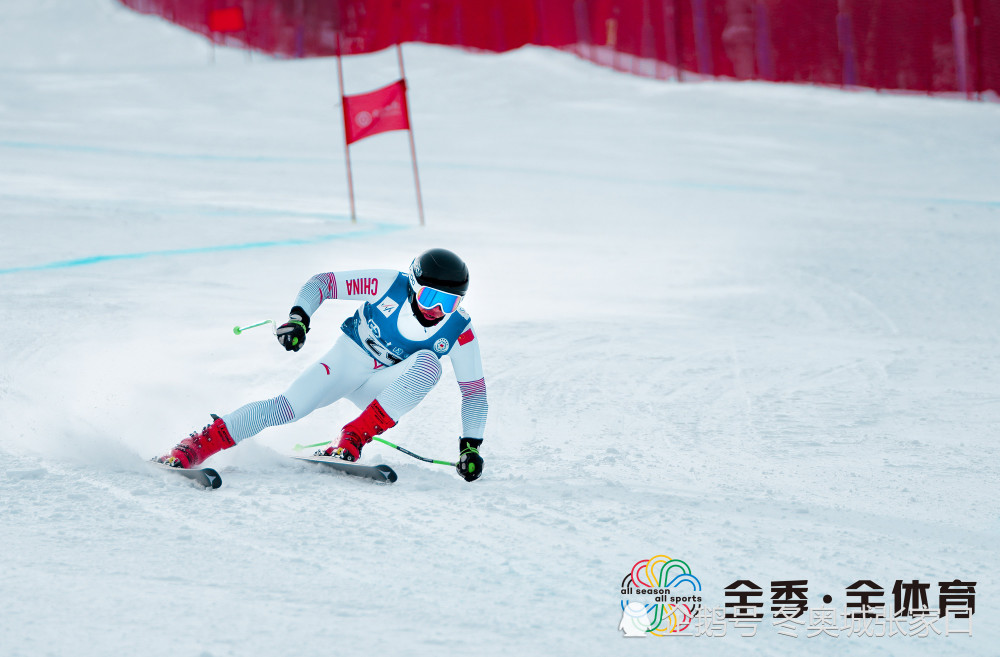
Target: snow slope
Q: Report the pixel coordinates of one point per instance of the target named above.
(753, 327)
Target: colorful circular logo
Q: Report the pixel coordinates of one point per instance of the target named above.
(663, 597)
(441, 346)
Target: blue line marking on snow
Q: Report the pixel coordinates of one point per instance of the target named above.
(379, 229)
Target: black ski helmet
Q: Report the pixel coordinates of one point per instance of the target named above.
(442, 270)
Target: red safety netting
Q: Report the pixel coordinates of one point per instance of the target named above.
(986, 47)
(931, 46)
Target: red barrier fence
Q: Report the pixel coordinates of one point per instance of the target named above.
(932, 46)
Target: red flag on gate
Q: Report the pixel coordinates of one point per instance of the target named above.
(226, 20)
(377, 111)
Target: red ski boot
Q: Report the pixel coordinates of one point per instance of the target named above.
(199, 446)
(359, 432)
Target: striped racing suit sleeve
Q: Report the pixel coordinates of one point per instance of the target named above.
(468, 365)
(364, 284)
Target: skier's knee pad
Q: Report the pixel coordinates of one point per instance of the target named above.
(427, 366)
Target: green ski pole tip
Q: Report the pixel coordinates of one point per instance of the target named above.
(236, 330)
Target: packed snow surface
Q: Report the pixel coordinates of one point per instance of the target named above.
(749, 326)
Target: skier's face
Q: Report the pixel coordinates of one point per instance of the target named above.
(434, 313)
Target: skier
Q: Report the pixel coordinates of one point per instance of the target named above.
(385, 362)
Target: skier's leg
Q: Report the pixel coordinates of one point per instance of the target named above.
(402, 393)
(340, 371)
(250, 419)
(343, 369)
(386, 397)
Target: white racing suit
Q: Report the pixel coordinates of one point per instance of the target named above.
(384, 354)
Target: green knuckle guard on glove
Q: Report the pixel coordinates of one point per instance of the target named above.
(292, 334)
(470, 463)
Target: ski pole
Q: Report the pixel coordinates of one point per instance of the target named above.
(299, 448)
(237, 330)
(416, 456)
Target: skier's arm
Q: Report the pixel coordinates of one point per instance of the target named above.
(364, 284)
(468, 366)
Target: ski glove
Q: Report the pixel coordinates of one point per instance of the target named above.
(292, 334)
(470, 463)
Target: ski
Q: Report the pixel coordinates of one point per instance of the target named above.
(380, 473)
(206, 477)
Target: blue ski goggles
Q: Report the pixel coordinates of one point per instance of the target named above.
(428, 297)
